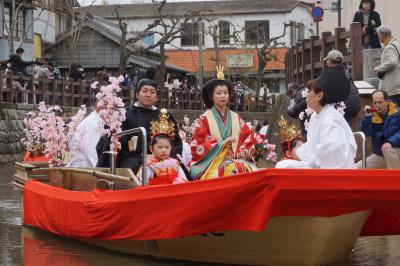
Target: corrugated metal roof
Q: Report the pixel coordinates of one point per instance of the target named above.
(213, 7)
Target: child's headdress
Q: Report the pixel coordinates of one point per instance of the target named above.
(162, 125)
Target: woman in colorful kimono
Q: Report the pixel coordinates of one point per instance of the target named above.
(222, 141)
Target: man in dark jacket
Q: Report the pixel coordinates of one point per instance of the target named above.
(141, 114)
(17, 64)
(298, 105)
(353, 103)
(382, 123)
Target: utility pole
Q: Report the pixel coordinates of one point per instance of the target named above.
(339, 10)
(201, 34)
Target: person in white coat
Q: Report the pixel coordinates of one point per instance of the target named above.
(330, 141)
(84, 141)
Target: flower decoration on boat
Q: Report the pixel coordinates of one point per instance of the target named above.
(48, 131)
(256, 148)
(112, 109)
(188, 127)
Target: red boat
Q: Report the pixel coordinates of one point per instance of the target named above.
(268, 217)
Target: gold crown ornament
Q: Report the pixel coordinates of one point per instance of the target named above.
(162, 125)
(220, 72)
(288, 132)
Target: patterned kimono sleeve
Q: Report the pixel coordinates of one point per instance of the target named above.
(246, 139)
(202, 141)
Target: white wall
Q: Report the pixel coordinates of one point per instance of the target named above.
(299, 14)
(44, 24)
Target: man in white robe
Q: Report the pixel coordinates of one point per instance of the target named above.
(84, 141)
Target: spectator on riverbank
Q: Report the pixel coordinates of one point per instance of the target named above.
(370, 22)
(17, 64)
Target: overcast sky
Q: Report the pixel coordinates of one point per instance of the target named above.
(99, 2)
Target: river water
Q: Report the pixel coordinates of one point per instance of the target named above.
(26, 246)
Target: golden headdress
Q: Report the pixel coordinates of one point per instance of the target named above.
(220, 72)
(288, 132)
(162, 125)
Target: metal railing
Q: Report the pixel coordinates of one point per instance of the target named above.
(143, 132)
(364, 157)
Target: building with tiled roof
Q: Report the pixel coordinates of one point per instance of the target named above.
(246, 18)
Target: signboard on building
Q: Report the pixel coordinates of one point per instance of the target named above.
(239, 60)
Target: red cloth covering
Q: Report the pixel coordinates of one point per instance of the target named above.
(241, 202)
(28, 158)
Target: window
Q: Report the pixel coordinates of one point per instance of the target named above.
(257, 31)
(292, 32)
(296, 32)
(300, 31)
(19, 25)
(224, 32)
(6, 20)
(190, 34)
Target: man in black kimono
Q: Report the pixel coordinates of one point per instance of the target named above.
(140, 115)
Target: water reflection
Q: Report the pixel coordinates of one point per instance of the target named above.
(42, 248)
(28, 246)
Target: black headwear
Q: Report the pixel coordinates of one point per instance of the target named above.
(334, 83)
(148, 79)
(209, 87)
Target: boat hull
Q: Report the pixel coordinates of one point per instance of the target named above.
(286, 241)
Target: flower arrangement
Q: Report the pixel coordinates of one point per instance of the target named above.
(47, 130)
(112, 109)
(188, 127)
(256, 147)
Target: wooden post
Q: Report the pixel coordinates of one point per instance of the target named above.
(72, 92)
(356, 51)
(2, 76)
(10, 85)
(292, 64)
(43, 90)
(324, 46)
(314, 55)
(62, 92)
(53, 86)
(340, 43)
(297, 62)
(33, 89)
(306, 60)
(82, 87)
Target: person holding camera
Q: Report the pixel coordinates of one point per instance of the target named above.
(389, 69)
(382, 123)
